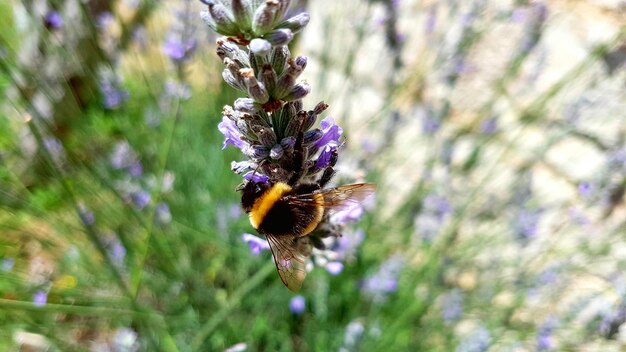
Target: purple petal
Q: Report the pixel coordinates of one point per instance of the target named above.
(324, 159)
(297, 305)
(334, 267)
(256, 177)
(54, 20)
(257, 244)
(40, 298)
(350, 212)
(331, 132)
(231, 134)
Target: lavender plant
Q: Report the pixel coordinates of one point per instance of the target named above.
(273, 130)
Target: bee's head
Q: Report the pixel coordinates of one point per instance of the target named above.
(250, 192)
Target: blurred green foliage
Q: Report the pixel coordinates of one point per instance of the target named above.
(118, 274)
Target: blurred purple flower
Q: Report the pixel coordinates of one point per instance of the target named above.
(136, 169)
(578, 216)
(544, 335)
(141, 199)
(617, 160)
(234, 211)
(335, 268)
(53, 20)
(525, 224)
(348, 243)
(585, 189)
(140, 37)
(297, 305)
(431, 20)
(257, 244)
(116, 251)
(225, 214)
(163, 215)
(437, 205)
(489, 126)
(384, 281)
(122, 156)
(40, 298)
(113, 96)
(86, 215)
(231, 134)
(55, 149)
(350, 212)
(430, 123)
(104, 19)
(352, 337)
(478, 341)
(7, 264)
(177, 48)
(176, 89)
(331, 133)
(435, 210)
(452, 306)
(519, 14)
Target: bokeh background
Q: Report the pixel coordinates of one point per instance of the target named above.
(495, 131)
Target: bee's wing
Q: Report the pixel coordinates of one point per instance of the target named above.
(347, 195)
(336, 198)
(290, 255)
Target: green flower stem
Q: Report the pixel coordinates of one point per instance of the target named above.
(73, 309)
(237, 296)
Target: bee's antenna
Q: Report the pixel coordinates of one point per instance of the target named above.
(258, 166)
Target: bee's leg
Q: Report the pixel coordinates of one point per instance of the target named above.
(329, 171)
(298, 160)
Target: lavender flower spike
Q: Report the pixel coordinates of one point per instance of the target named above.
(284, 150)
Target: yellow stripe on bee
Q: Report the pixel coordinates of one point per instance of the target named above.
(319, 201)
(266, 201)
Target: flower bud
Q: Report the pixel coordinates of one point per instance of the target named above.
(288, 79)
(242, 9)
(226, 49)
(283, 6)
(245, 105)
(206, 17)
(300, 62)
(256, 89)
(295, 125)
(222, 18)
(257, 152)
(288, 142)
(265, 16)
(231, 80)
(312, 136)
(269, 78)
(309, 120)
(276, 152)
(296, 23)
(279, 59)
(298, 91)
(320, 107)
(279, 37)
(242, 166)
(260, 46)
(266, 135)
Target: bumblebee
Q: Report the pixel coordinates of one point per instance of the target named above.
(286, 211)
